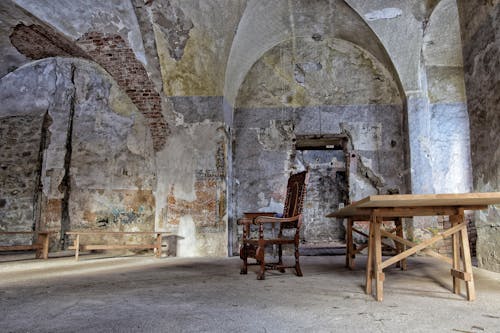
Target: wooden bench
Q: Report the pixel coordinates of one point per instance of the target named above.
(41, 245)
(79, 245)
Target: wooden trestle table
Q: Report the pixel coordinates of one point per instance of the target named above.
(378, 208)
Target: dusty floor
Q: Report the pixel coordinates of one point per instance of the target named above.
(144, 294)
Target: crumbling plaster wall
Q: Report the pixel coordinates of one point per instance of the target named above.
(95, 163)
(195, 55)
(480, 26)
(193, 39)
(428, 62)
(307, 86)
(187, 47)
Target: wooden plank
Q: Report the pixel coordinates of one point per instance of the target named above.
(158, 245)
(360, 232)
(350, 252)
(117, 233)
(369, 261)
(379, 275)
(77, 247)
(423, 245)
(20, 247)
(114, 247)
(461, 275)
(24, 232)
(414, 200)
(398, 230)
(412, 244)
(43, 241)
(471, 291)
(455, 219)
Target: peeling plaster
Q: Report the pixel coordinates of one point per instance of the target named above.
(277, 136)
(383, 14)
(176, 27)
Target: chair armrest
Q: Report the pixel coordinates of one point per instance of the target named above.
(252, 215)
(248, 218)
(267, 219)
(245, 221)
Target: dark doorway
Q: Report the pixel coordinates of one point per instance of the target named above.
(325, 157)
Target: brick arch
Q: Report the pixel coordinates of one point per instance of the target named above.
(109, 51)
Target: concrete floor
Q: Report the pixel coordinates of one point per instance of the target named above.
(144, 294)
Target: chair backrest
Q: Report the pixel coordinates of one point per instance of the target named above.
(295, 193)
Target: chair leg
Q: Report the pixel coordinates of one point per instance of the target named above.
(297, 263)
(260, 257)
(280, 258)
(261, 275)
(244, 257)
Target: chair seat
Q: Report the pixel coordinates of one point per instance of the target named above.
(266, 241)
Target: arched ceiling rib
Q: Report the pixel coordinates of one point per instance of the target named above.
(442, 43)
(263, 25)
(266, 24)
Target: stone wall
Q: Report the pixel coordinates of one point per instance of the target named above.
(480, 24)
(20, 139)
(92, 166)
(306, 87)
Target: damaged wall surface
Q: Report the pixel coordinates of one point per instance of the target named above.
(180, 115)
(480, 23)
(306, 87)
(93, 157)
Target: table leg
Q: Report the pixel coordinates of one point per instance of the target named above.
(469, 282)
(455, 219)
(369, 260)
(349, 256)
(379, 275)
(400, 246)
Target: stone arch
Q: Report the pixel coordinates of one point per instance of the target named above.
(37, 41)
(265, 25)
(319, 88)
(93, 156)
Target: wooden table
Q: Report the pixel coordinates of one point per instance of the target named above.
(378, 208)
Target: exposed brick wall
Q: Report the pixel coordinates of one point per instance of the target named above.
(38, 42)
(116, 57)
(109, 51)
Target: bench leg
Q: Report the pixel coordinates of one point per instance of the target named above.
(42, 243)
(158, 245)
(77, 247)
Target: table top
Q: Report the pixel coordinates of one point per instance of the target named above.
(463, 200)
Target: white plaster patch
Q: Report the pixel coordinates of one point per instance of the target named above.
(262, 199)
(383, 14)
(273, 206)
(365, 136)
(186, 245)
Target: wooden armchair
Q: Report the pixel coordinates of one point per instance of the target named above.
(289, 230)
